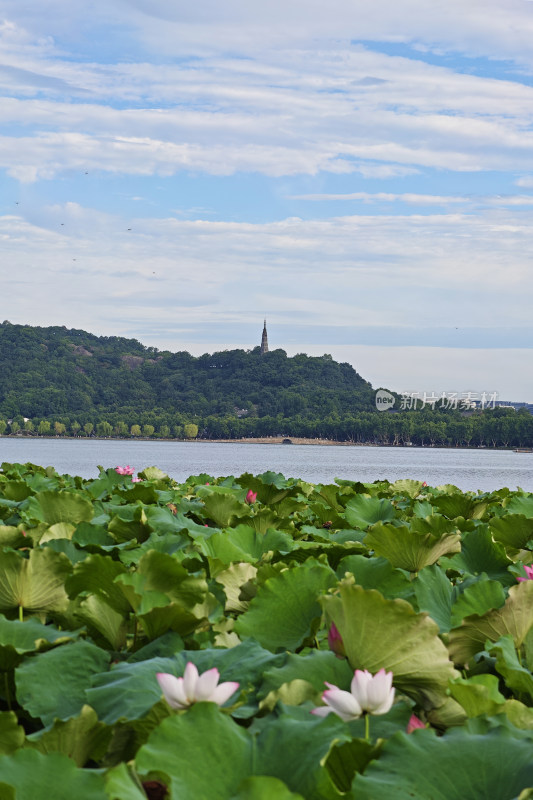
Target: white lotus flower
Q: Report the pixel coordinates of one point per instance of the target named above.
(372, 694)
(194, 688)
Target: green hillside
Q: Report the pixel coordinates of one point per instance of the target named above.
(55, 371)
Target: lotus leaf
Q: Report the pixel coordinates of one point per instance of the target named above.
(36, 583)
(286, 610)
(457, 766)
(36, 775)
(408, 549)
(61, 506)
(363, 511)
(380, 633)
(81, 738)
(66, 673)
(515, 619)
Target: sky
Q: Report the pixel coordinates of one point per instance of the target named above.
(359, 173)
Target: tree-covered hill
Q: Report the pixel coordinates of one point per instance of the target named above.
(57, 371)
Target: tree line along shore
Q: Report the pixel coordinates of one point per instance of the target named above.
(500, 427)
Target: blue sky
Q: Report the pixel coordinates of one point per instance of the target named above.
(361, 175)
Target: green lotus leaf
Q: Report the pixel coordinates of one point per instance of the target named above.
(102, 620)
(120, 784)
(160, 578)
(265, 788)
(480, 695)
(315, 668)
(407, 487)
(363, 511)
(59, 506)
(61, 530)
(271, 487)
(434, 594)
(478, 598)
(144, 493)
(479, 554)
(512, 530)
(243, 543)
(16, 490)
(53, 685)
(12, 536)
(455, 505)
(457, 766)
(172, 751)
(39, 777)
(423, 509)
(380, 633)
(224, 508)
(96, 575)
(81, 738)
(163, 520)
(520, 504)
(232, 579)
(154, 474)
(30, 635)
(36, 583)
(129, 523)
(11, 733)
(376, 573)
(286, 610)
(516, 677)
(408, 549)
(92, 536)
(284, 748)
(296, 752)
(170, 617)
(346, 759)
(515, 619)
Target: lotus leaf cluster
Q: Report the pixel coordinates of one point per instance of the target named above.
(174, 640)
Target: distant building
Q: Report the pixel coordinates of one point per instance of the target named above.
(264, 339)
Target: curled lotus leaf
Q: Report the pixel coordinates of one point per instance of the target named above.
(388, 634)
(36, 583)
(409, 549)
(514, 619)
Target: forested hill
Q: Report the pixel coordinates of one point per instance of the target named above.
(56, 371)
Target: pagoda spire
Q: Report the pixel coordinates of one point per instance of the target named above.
(264, 339)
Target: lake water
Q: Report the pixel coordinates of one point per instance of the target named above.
(483, 470)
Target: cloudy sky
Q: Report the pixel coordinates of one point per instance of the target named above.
(360, 173)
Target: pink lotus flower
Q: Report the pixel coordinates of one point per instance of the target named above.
(193, 688)
(136, 480)
(127, 470)
(335, 641)
(251, 497)
(529, 573)
(414, 723)
(424, 484)
(369, 694)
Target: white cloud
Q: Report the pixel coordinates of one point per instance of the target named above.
(447, 270)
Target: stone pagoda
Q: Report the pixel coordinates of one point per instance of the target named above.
(264, 339)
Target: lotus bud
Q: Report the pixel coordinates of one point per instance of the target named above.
(335, 641)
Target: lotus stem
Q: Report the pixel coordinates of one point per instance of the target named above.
(21, 613)
(367, 727)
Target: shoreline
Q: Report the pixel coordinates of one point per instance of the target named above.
(277, 440)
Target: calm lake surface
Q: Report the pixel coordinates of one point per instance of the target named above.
(482, 470)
